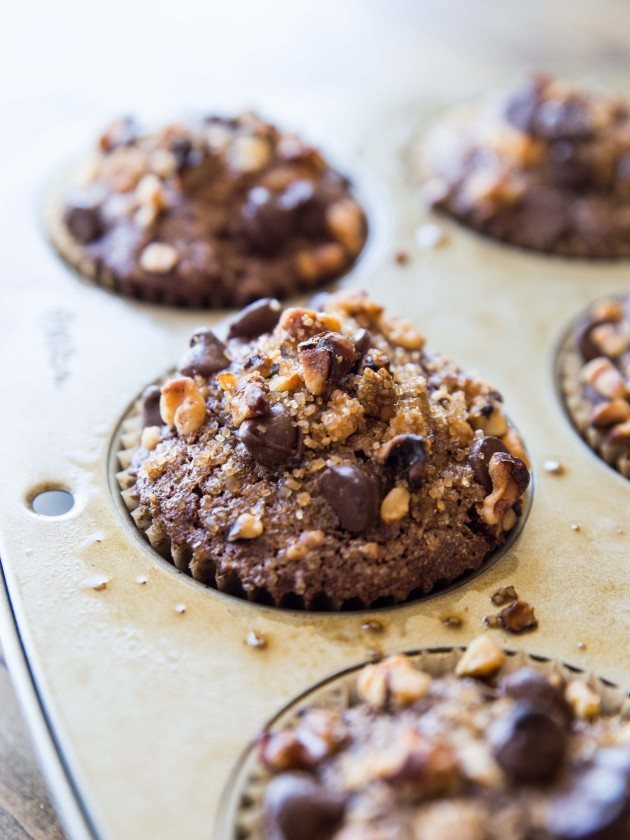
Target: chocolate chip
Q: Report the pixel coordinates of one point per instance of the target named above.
(405, 454)
(528, 744)
(362, 341)
(271, 440)
(520, 109)
(151, 406)
(593, 806)
(481, 452)
(541, 217)
(297, 807)
(325, 358)
(374, 360)
(257, 318)
(297, 195)
(567, 119)
(206, 355)
(353, 494)
(264, 223)
(530, 686)
(84, 223)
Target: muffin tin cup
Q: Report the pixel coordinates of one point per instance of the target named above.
(149, 683)
(241, 815)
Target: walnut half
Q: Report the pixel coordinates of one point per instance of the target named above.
(510, 478)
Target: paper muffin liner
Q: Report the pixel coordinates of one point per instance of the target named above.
(579, 409)
(241, 813)
(126, 445)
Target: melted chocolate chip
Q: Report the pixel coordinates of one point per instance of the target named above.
(521, 107)
(405, 454)
(273, 439)
(297, 807)
(151, 406)
(563, 120)
(257, 318)
(481, 452)
(84, 223)
(530, 686)
(353, 494)
(206, 355)
(362, 341)
(268, 219)
(591, 807)
(528, 744)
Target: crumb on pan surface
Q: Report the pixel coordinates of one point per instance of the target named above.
(483, 749)
(545, 166)
(323, 458)
(208, 212)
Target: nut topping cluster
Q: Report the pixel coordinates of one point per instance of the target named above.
(332, 421)
(481, 755)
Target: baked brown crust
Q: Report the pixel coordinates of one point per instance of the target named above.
(212, 212)
(329, 462)
(545, 166)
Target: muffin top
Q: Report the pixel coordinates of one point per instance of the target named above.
(323, 458)
(208, 212)
(545, 166)
(450, 757)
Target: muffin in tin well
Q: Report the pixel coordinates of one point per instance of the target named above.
(210, 212)
(594, 377)
(322, 458)
(545, 166)
(444, 745)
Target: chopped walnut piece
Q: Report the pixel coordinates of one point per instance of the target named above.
(620, 434)
(584, 701)
(504, 595)
(300, 324)
(308, 541)
(150, 437)
(401, 332)
(245, 527)
(603, 376)
(610, 413)
(393, 681)
(290, 381)
(482, 658)
(250, 399)
(158, 258)
(493, 423)
(509, 478)
(325, 359)
(321, 261)
(346, 223)
(515, 446)
(395, 505)
(248, 154)
(182, 406)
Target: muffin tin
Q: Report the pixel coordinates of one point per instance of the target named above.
(145, 688)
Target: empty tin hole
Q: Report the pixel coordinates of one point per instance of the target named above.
(52, 502)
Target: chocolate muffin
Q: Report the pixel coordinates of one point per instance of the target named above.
(321, 458)
(405, 749)
(545, 166)
(210, 213)
(594, 372)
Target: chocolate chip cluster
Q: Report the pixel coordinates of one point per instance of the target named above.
(212, 211)
(545, 166)
(448, 757)
(366, 468)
